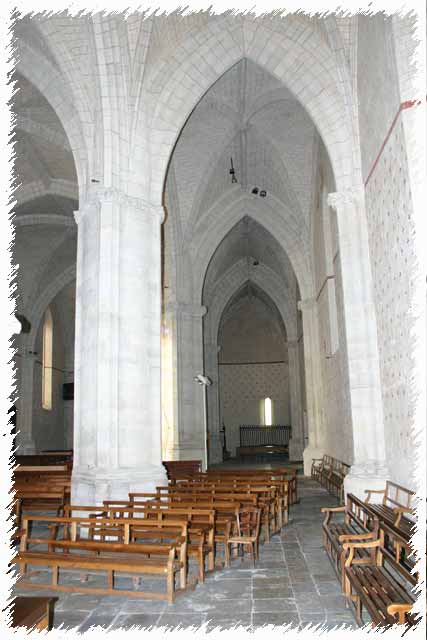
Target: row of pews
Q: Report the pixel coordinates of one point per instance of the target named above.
(369, 545)
(196, 516)
(330, 472)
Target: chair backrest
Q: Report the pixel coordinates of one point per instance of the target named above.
(397, 496)
(249, 521)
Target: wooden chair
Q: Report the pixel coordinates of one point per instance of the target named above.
(248, 528)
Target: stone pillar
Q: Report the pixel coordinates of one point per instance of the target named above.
(189, 441)
(296, 445)
(24, 426)
(313, 382)
(211, 368)
(117, 407)
(69, 409)
(369, 469)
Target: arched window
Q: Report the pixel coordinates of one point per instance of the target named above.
(268, 412)
(47, 360)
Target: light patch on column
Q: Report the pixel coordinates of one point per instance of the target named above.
(167, 392)
(268, 412)
(47, 360)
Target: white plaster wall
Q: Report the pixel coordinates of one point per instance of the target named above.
(243, 387)
(253, 365)
(389, 211)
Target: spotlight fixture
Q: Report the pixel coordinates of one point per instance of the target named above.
(232, 173)
(255, 191)
(263, 193)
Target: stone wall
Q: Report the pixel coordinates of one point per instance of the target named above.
(253, 365)
(243, 388)
(389, 211)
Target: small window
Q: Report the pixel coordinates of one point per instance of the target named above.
(268, 412)
(47, 360)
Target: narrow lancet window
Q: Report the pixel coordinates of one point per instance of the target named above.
(47, 360)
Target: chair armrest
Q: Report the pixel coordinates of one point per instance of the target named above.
(328, 511)
(361, 545)
(356, 536)
(399, 610)
(350, 547)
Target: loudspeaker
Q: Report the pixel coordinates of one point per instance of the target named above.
(68, 391)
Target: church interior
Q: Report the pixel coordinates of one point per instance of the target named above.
(215, 232)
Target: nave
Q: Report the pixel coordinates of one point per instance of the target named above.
(293, 583)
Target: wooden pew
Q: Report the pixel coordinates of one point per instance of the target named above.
(32, 613)
(268, 498)
(179, 468)
(335, 534)
(396, 501)
(383, 583)
(197, 526)
(37, 497)
(111, 557)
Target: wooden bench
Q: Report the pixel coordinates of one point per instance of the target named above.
(111, 557)
(268, 498)
(179, 468)
(37, 497)
(330, 473)
(353, 527)
(382, 584)
(197, 526)
(225, 515)
(262, 451)
(335, 479)
(32, 613)
(396, 501)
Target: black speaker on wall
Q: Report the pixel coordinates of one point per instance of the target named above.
(68, 391)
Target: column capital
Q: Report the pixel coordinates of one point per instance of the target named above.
(109, 195)
(187, 309)
(306, 305)
(340, 200)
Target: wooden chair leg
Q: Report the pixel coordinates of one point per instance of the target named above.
(170, 585)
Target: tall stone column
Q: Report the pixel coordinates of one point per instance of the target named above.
(117, 407)
(369, 468)
(24, 426)
(313, 382)
(211, 364)
(69, 408)
(296, 445)
(190, 443)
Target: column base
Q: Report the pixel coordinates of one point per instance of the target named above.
(308, 454)
(92, 486)
(186, 452)
(25, 448)
(215, 449)
(295, 450)
(370, 475)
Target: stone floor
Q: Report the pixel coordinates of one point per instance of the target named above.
(293, 583)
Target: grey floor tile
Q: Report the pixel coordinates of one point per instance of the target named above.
(144, 620)
(269, 592)
(278, 619)
(183, 621)
(229, 623)
(274, 605)
(69, 620)
(102, 619)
